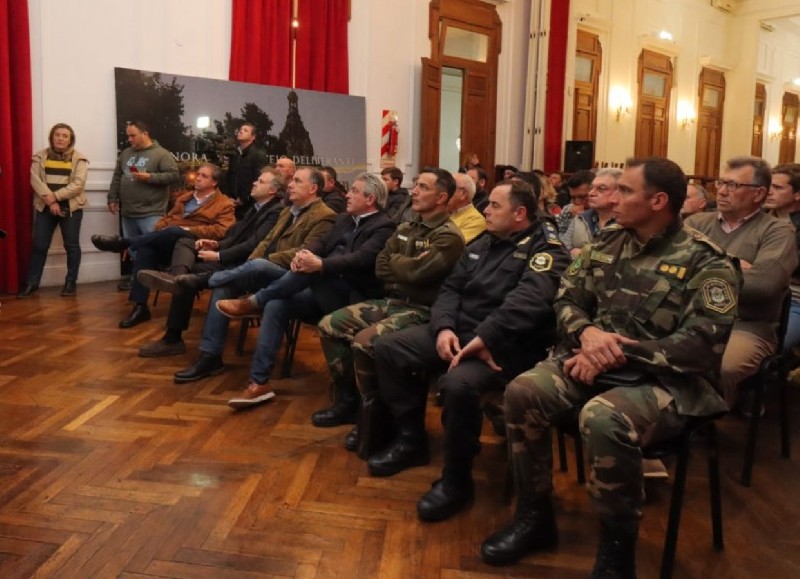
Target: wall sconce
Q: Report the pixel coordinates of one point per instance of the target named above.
(619, 101)
(686, 114)
(775, 130)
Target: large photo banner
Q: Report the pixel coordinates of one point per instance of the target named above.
(196, 120)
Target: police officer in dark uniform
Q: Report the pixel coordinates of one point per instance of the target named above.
(493, 317)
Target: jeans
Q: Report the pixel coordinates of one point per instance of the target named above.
(792, 338)
(136, 226)
(273, 327)
(252, 274)
(44, 225)
(285, 287)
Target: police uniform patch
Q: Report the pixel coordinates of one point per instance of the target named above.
(677, 271)
(601, 257)
(575, 266)
(519, 255)
(717, 295)
(541, 262)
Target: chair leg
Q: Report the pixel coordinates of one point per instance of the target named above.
(752, 435)
(579, 459)
(675, 508)
(714, 486)
(292, 333)
(786, 442)
(155, 298)
(242, 336)
(562, 450)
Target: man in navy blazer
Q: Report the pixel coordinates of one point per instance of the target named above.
(334, 272)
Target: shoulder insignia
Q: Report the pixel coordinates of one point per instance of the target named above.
(601, 257)
(541, 262)
(703, 239)
(678, 271)
(551, 233)
(717, 295)
(525, 240)
(575, 266)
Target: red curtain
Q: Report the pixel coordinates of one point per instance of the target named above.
(556, 70)
(261, 46)
(261, 42)
(322, 45)
(16, 142)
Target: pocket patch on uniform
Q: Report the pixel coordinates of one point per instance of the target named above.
(541, 262)
(717, 295)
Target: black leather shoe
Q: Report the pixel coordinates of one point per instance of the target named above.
(193, 282)
(403, 453)
(205, 366)
(351, 439)
(28, 290)
(340, 412)
(124, 285)
(533, 528)
(69, 289)
(445, 499)
(140, 313)
(158, 280)
(113, 243)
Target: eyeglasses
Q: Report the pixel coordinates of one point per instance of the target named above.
(733, 185)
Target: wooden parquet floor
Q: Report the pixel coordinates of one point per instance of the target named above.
(108, 469)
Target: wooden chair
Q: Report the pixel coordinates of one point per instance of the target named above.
(772, 372)
(680, 447)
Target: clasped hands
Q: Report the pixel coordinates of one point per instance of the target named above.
(306, 262)
(599, 352)
(449, 349)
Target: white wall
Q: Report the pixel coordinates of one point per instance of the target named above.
(76, 45)
(74, 48)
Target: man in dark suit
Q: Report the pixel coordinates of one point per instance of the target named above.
(239, 241)
(331, 273)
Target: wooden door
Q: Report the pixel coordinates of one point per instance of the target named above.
(709, 122)
(791, 103)
(465, 35)
(588, 60)
(759, 107)
(652, 115)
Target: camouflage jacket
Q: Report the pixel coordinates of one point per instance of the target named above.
(418, 257)
(676, 295)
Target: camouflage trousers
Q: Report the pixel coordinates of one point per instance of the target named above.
(348, 333)
(614, 423)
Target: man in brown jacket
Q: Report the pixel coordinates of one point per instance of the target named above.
(306, 220)
(203, 213)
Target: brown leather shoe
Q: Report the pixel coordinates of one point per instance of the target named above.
(241, 308)
(253, 395)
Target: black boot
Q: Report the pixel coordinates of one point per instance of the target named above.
(140, 313)
(375, 426)
(351, 439)
(533, 528)
(448, 495)
(205, 366)
(616, 551)
(70, 288)
(344, 409)
(409, 448)
(28, 290)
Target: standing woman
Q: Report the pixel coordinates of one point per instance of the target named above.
(58, 177)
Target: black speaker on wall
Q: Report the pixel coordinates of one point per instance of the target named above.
(578, 155)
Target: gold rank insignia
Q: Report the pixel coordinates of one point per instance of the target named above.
(677, 271)
(551, 234)
(717, 295)
(601, 257)
(524, 241)
(541, 262)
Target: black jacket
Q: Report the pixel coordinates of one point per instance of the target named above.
(243, 237)
(244, 169)
(356, 264)
(503, 290)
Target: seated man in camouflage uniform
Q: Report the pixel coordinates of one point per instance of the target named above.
(643, 313)
(493, 319)
(412, 265)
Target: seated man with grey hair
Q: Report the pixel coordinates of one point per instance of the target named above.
(463, 213)
(696, 200)
(328, 274)
(765, 246)
(600, 210)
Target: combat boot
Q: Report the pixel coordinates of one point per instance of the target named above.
(533, 528)
(344, 410)
(409, 448)
(616, 551)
